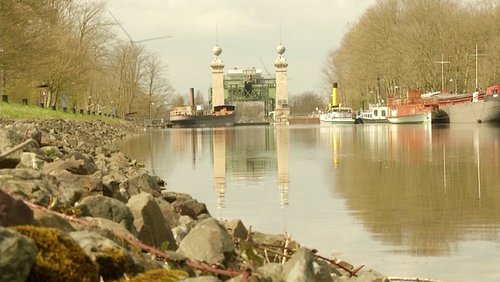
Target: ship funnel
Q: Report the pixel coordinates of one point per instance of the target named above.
(334, 95)
(191, 96)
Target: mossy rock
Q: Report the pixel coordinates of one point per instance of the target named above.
(161, 275)
(112, 263)
(59, 257)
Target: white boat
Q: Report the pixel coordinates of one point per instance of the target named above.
(339, 115)
(376, 113)
(411, 118)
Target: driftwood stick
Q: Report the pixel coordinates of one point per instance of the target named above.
(20, 146)
(193, 264)
(352, 272)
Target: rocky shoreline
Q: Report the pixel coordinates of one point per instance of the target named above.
(72, 208)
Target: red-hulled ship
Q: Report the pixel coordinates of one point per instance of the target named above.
(409, 109)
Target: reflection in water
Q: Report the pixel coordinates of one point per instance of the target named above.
(280, 142)
(397, 196)
(282, 154)
(405, 201)
(219, 151)
(478, 164)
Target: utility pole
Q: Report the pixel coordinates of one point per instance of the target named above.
(442, 62)
(3, 79)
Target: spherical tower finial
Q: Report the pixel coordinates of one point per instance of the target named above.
(217, 50)
(280, 49)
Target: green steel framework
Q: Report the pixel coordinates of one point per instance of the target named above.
(244, 85)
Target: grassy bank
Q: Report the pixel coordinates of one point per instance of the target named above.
(18, 111)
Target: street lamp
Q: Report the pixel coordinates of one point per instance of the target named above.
(113, 109)
(150, 107)
(89, 105)
(453, 81)
(2, 73)
(396, 91)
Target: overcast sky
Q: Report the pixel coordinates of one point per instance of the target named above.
(247, 31)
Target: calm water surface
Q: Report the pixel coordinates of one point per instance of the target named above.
(406, 200)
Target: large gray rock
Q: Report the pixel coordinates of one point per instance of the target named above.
(182, 230)
(14, 211)
(168, 211)
(143, 182)
(323, 271)
(115, 161)
(109, 208)
(30, 160)
(300, 267)
(73, 187)
(75, 163)
(118, 160)
(112, 259)
(111, 184)
(104, 227)
(46, 219)
(21, 131)
(272, 271)
(208, 241)
(184, 204)
(237, 229)
(14, 134)
(17, 255)
(29, 183)
(153, 229)
(192, 208)
(90, 183)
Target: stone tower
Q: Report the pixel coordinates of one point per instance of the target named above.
(282, 108)
(217, 78)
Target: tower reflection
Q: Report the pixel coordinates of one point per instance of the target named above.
(219, 157)
(257, 157)
(282, 135)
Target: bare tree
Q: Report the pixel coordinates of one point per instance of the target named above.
(306, 103)
(404, 44)
(67, 47)
(155, 84)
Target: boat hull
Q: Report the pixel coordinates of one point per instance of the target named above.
(374, 120)
(326, 118)
(203, 121)
(487, 110)
(409, 119)
(337, 120)
(338, 115)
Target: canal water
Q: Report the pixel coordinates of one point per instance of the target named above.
(405, 200)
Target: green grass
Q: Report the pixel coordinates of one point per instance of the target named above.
(18, 111)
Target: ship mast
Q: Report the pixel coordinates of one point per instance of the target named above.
(477, 56)
(476, 67)
(442, 62)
